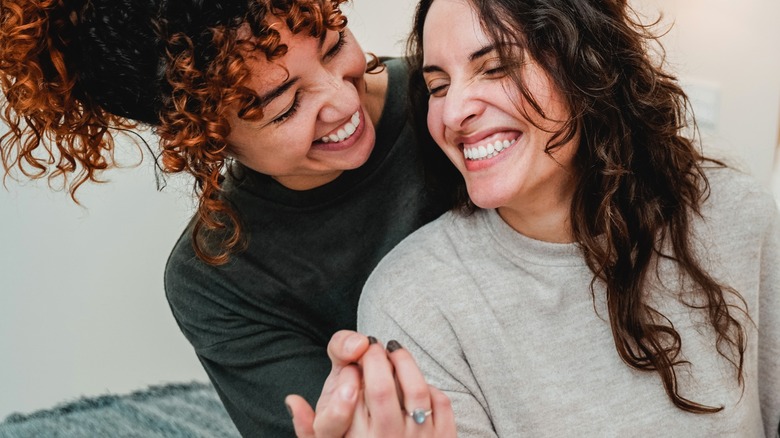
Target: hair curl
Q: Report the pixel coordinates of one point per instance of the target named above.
(640, 180)
(72, 71)
(41, 106)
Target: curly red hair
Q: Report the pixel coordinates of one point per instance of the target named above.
(40, 108)
(204, 70)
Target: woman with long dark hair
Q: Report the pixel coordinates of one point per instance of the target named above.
(601, 276)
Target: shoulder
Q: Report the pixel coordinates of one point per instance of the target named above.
(427, 264)
(200, 295)
(180, 264)
(184, 274)
(737, 217)
(397, 83)
(397, 68)
(185, 271)
(432, 244)
(735, 197)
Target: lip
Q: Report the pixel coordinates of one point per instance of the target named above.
(347, 143)
(487, 137)
(478, 137)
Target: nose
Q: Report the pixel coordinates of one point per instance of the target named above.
(461, 105)
(340, 97)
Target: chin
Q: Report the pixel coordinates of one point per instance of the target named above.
(486, 201)
(488, 196)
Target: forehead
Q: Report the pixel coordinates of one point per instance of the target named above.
(265, 73)
(451, 27)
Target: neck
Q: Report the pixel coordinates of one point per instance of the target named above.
(547, 218)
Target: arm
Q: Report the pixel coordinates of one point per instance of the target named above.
(254, 353)
(253, 375)
(410, 314)
(769, 329)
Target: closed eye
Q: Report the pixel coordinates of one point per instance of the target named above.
(290, 111)
(494, 68)
(336, 49)
(437, 90)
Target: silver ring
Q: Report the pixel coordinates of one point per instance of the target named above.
(419, 415)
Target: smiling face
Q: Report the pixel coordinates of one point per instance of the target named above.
(315, 124)
(478, 117)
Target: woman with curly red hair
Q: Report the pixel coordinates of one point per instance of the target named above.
(306, 170)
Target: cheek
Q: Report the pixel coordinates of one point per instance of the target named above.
(435, 126)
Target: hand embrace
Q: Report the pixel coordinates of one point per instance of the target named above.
(396, 401)
(373, 392)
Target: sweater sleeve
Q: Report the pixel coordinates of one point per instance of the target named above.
(397, 303)
(253, 360)
(769, 328)
(253, 388)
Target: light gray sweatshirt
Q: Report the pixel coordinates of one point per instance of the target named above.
(508, 328)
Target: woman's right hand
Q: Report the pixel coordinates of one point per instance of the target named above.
(337, 402)
(373, 392)
(396, 401)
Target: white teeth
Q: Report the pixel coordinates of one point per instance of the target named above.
(488, 151)
(345, 131)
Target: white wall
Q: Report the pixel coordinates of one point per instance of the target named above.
(732, 48)
(381, 26)
(82, 309)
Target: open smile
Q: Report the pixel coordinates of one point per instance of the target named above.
(489, 149)
(344, 132)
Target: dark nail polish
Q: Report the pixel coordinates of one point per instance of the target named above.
(392, 346)
(372, 340)
(289, 410)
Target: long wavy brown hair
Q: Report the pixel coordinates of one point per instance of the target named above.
(76, 72)
(639, 179)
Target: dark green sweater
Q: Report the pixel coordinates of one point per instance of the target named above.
(261, 323)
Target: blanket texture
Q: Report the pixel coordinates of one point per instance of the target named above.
(176, 410)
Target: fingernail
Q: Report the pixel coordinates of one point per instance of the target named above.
(289, 409)
(347, 393)
(392, 346)
(372, 340)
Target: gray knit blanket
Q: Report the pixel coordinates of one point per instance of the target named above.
(176, 410)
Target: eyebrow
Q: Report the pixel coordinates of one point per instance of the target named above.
(266, 98)
(473, 57)
(481, 52)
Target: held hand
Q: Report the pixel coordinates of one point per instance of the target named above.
(396, 401)
(338, 399)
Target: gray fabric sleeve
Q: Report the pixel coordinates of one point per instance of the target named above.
(417, 322)
(769, 329)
